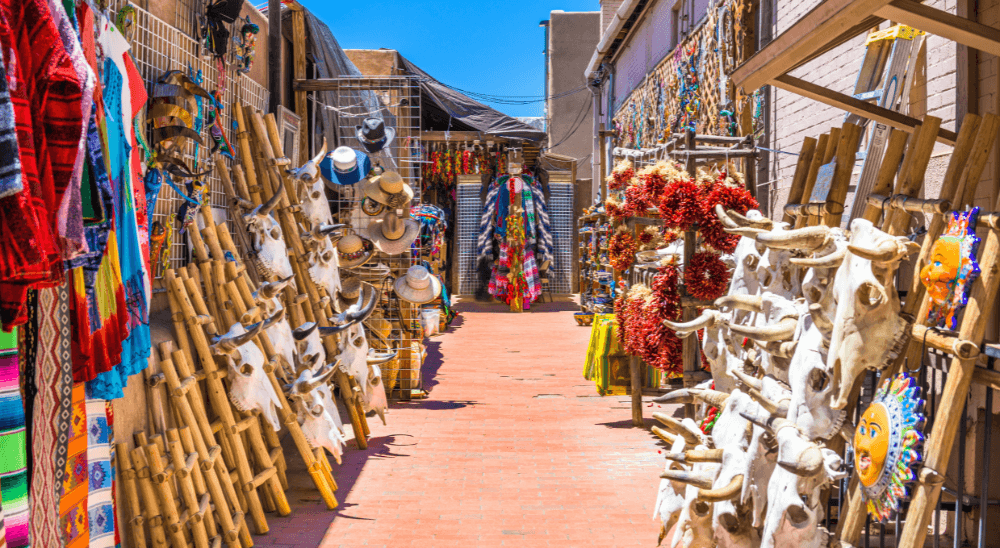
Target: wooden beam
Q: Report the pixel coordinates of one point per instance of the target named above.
(823, 24)
(364, 83)
(943, 24)
(856, 106)
(299, 62)
(275, 60)
(461, 136)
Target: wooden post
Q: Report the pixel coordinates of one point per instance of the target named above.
(937, 451)
(150, 505)
(160, 477)
(128, 479)
(299, 62)
(690, 344)
(917, 158)
(220, 402)
(636, 380)
(801, 173)
(275, 57)
(185, 466)
(846, 152)
(810, 182)
(895, 146)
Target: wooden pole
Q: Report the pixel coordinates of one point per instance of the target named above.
(275, 56)
(160, 476)
(128, 480)
(150, 504)
(299, 62)
(798, 187)
(690, 344)
(847, 150)
(810, 182)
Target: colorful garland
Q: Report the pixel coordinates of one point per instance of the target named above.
(706, 277)
(621, 175)
(640, 316)
(731, 197)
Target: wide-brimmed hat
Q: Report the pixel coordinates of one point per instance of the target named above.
(389, 189)
(353, 250)
(345, 166)
(393, 235)
(373, 134)
(418, 286)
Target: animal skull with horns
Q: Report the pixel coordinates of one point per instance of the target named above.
(317, 411)
(268, 298)
(250, 388)
(269, 249)
(311, 191)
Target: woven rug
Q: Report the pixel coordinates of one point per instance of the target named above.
(73, 520)
(54, 379)
(13, 457)
(100, 509)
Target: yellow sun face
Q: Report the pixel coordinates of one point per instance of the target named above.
(942, 270)
(871, 443)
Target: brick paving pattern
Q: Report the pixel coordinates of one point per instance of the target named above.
(511, 448)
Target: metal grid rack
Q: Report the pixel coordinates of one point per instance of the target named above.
(468, 212)
(560, 204)
(396, 100)
(157, 48)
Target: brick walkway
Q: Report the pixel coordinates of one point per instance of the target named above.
(511, 448)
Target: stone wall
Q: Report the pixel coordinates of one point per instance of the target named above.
(572, 39)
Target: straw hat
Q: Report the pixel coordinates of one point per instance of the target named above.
(350, 290)
(388, 189)
(418, 286)
(344, 166)
(393, 235)
(354, 250)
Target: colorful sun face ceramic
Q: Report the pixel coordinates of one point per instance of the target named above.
(952, 268)
(887, 445)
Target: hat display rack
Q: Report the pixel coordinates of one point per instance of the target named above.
(396, 118)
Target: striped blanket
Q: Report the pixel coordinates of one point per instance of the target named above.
(13, 456)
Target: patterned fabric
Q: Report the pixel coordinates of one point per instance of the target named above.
(51, 414)
(28, 347)
(10, 161)
(74, 524)
(544, 245)
(13, 471)
(484, 245)
(100, 509)
(70, 223)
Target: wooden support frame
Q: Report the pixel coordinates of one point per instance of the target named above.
(941, 23)
(856, 106)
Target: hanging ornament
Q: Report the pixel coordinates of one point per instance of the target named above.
(706, 277)
(246, 46)
(192, 203)
(887, 445)
(953, 267)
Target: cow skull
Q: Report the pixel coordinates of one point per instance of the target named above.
(250, 388)
(324, 267)
(318, 424)
(868, 331)
(268, 299)
(311, 191)
(270, 251)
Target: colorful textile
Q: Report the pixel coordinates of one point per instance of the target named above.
(51, 413)
(100, 509)
(10, 161)
(13, 457)
(74, 524)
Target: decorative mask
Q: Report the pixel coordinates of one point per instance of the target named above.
(952, 269)
(887, 445)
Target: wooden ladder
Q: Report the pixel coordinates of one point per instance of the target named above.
(896, 48)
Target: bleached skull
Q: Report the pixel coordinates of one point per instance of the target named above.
(250, 388)
(353, 356)
(268, 298)
(324, 266)
(670, 495)
(374, 395)
(312, 192)
(868, 331)
(270, 251)
(318, 424)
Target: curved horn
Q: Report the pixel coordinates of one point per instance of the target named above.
(304, 330)
(832, 260)
(807, 463)
(746, 232)
(320, 380)
(667, 436)
(694, 438)
(265, 209)
(724, 218)
(750, 303)
(379, 359)
(759, 421)
(321, 231)
(275, 318)
(766, 224)
(819, 318)
(729, 492)
(747, 380)
(269, 290)
(676, 457)
(784, 330)
(711, 397)
(692, 478)
(322, 152)
(780, 349)
(887, 251)
(369, 307)
(681, 395)
(775, 409)
(236, 341)
(307, 362)
(703, 455)
(804, 239)
(708, 318)
(332, 330)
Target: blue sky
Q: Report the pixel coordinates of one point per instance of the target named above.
(484, 46)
